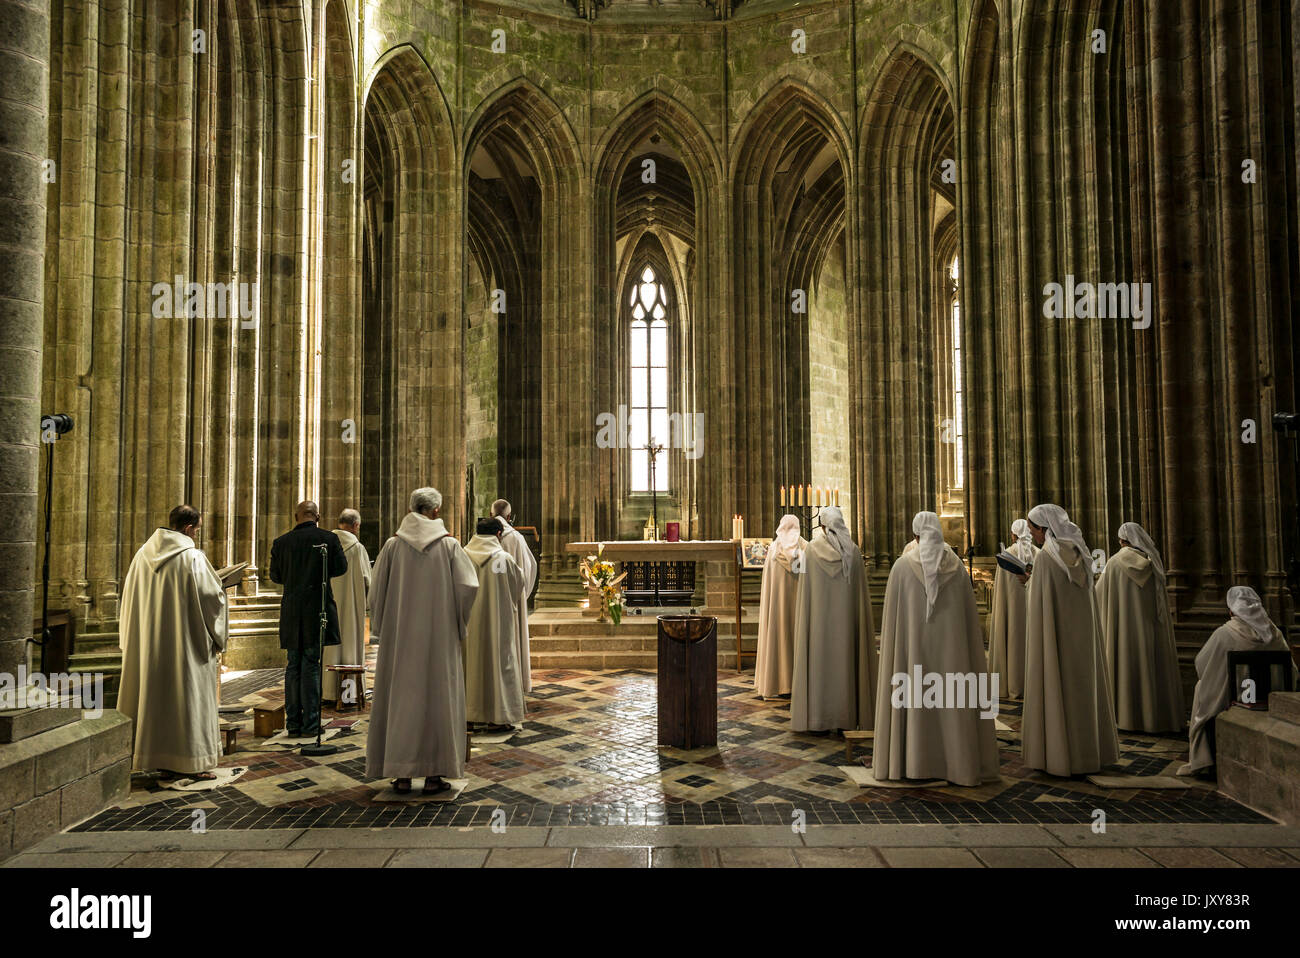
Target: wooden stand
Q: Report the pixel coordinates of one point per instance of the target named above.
(688, 681)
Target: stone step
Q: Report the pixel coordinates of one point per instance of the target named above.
(1285, 706)
(18, 724)
(106, 661)
(98, 642)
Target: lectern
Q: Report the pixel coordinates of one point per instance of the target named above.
(688, 681)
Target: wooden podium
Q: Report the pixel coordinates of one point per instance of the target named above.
(717, 598)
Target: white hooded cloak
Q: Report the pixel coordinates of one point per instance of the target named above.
(513, 542)
(494, 689)
(1007, 626)
(350, 596)
(422, 591)
(777, 608)
(173, 626)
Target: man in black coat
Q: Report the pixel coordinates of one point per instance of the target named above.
(296, 564)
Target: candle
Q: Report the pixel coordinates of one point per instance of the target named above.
(837, 496)
(783, 497)
(800, 488)
(819, 497)
(809, 487)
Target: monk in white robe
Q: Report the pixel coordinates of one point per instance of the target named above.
(173, 626)
(1068, 724)
(1007, 628)
(494, 691)
(1141, 658)
(931, 627)
(422, 591)
(514, 542)
(777, 608)
(350, 595)
(1249, 630)
(834, 642)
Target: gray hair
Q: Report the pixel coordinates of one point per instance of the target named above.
(424, 498)
(349, 517)
(501, 508)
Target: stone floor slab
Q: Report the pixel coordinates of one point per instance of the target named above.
(1106, 858)
(682, 856)
(748, 857)
(838, 858)
(270, 858)
(927, 836)
(1020, 858)
(1189, 857)
(75, 860)
(182, 859)
(1210, 835)
(930, 858)
(438, 858)
(530, 858)
(352, 858)
(630, 856)
(1263, 857)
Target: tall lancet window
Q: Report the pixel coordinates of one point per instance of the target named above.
(959, 470)
(648, 410)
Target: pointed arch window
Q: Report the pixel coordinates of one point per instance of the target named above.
(648, 379)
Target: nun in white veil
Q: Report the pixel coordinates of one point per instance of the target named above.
(1249, 629)
(931, 624)
(1068, 724)
(1141, 657)
(777, 608)
(1007, 628)
(834, 646)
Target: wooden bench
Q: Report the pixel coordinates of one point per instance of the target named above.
(851, 736)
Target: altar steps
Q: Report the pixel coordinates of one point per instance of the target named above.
(570, 640)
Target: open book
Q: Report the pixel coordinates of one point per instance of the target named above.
(231, 574)
(1011, 563)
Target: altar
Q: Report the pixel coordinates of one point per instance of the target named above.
(721, 560)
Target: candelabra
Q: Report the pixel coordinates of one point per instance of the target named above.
(806, 502)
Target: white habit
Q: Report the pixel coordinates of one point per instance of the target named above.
(350, 596)
(777, 609)
(422, 590)
(1007, 627)
(514, 543)
(494, 690)
(834, 645)
(931, 624)
(1141, 658)
(1249, 629)
(1068, 725)
(173, 626)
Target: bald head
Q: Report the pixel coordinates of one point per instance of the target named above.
(501, 509)
(307, 511)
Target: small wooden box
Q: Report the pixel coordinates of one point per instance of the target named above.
(266, 722)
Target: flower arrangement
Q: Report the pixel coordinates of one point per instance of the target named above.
(602, 584)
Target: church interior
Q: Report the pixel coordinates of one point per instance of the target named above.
(659, 273)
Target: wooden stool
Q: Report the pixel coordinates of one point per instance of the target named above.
(343, 671)
(231, 730)
(851, 736)
(267, 721)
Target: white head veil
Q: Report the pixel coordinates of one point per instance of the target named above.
(1137, 537)
(1020, 529)
(837, 533)
(1245, 605)
(1060, 529)
(930, 546)
(787, 533)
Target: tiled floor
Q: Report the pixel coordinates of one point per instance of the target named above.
(588, 756)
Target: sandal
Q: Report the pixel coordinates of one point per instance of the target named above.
(441, 787)
(402, 786)
(203, 777)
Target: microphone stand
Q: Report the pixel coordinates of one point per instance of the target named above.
(318, 748)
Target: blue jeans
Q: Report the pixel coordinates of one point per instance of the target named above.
(302, 691)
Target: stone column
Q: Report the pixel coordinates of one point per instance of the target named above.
(24, 105)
